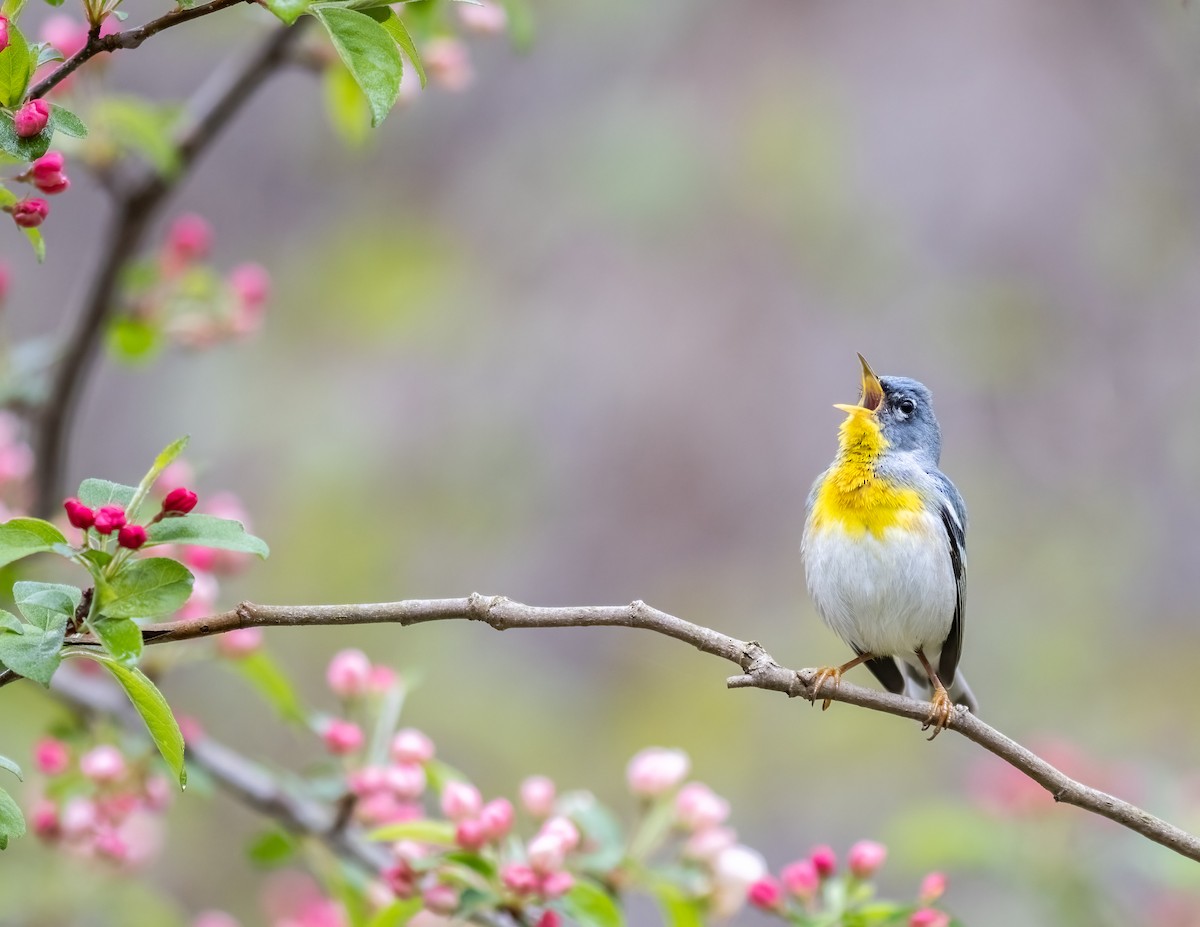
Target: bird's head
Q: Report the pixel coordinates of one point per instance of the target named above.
(901, 409)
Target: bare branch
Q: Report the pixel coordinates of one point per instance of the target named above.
(758, 670)
(213, 105)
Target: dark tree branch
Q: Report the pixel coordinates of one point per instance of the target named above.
(130, 38)
(758, 670)
(214, 104)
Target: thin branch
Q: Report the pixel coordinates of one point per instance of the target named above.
(758, 670)
(130, 38)
(214, 104)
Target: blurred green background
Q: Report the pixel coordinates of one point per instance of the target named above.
(573, 336)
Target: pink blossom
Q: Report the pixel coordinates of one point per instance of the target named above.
(537, 796)
(698, 807)
(203, 559)
(470, 834)
(801, 878)
(448, 63)
(103, 763)
(239, 642)
(78, 817)
(824, 859)
(44, 820)
(557, 884)
(78, 514)
(563, 829)
(484, 18)
(131, 537)
(29, 213)
(497, 819)
(865, 858)
(366, 780)
(110, 518)
(656, 770)
(460, 800)
(51, 756)
(933, 886)
(547, 853)
(519, 878)
(406, 780)
(349, 673)
(734, 870)
(3, 32)
(706, 845)
(929, 917)
(5, 280)
(46, 173)
(412, 746)
(550, 917)
(157, 793)
(67, 34)
(766, 894)
(251, 287)
(180, 500)
(111, 845)
(31, 118)
(342, 737)
(189, 239)
(214, 919)
(382, 679)
(440, 899)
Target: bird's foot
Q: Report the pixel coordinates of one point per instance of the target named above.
(940, 712)
(831, 674)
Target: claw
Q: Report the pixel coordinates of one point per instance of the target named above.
(824, 674)
(940, 711)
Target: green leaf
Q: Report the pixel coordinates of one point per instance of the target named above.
(11, 9)
(206, 531)
(369, 52)
(133, 340)
(145, 588)
(288, 10)
(678, 909)
(440, 833)
(590, 906)
(47, 53)
(67, 122)
(400, 35)
(20, 537)
(521, 26)
(11, 766)
(155, 712)
(121, 637)
(30, 650)
(24, 149)
(271, 848)
(397, 914)
(12, 822)
(347, 108)
(15, 69)
(46, 604)
(272, 684)
(97, 493)
(133, 125)
(37, 241)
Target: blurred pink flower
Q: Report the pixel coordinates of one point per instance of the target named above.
(656, 770)
(929, 917)
(537, 796)
(460, 800)
(104, 763)
(342, 737)
(349, 673)
(766, 894)
(412, 746)
(484, 18)
(801, 878)
(698, 807)
(51, 756)
(448, 63)
(240, 642)
(865, 858)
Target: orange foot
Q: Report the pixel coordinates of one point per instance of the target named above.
(939, 714)
(825, 674)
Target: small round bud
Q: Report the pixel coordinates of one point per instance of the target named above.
(557, 884)
(179, 500)
(131, 536)
(825, 860)
(51, 756)
(412, 746)
(440, 899)
(110, 518)
(470, 834)
(29, 213)
(698, 807)
(497, 819)
(655, 770)
(766, 894)
(519, 878)
(546, 853)
(46, 173)
(342, 737)
(801, 878)
(865, 858)
(537, 796)
(929, 917)
(406, 780)
(460, 800)
(3, 32)
(564, 829)
(31, 118)
(79, 514)
(933, 886)
(104, 763)
(349, 673)
(189, 239)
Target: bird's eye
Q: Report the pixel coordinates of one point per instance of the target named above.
(906, 406)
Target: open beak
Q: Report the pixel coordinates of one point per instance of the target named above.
(872, 391)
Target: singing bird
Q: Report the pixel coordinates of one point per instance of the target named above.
(884, 547)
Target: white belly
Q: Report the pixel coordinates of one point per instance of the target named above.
(886, 596)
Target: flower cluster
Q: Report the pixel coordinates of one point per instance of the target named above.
(99, 802)
(100, 524)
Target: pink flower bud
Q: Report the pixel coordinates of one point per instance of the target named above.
(349, 673)
(46, 173)
(801, 878)
(342, 737)
(519, 878)
(698, 807)
(67, 34)
(706, 845)
(929, 917)
(111, 845)
(440, 899)
(563, 829)
(497, 819)
(865, 858)
(485, 18)
(251, 287)
(448, 63)
(3, 32)
(656, 770)
(52, 756)
(557, 884)
(546, 853)
(401, 879)
(537, 796)
(44, 820)
(103, 763)
(460, 800)
(550, 917)
(411, 746)
(382, 679)
(79, 514)
(240, 642)
(825, 860)
(367, 780)
(179, 500)
(4, 281)
(470, 834)
(188, 239)
(31, 118)
(766, 894)
(406, 780)
(131, 536)
(933, 886)
(199, 559)
(110, 518)
(29, 213)
(157, 793)
(78, 817)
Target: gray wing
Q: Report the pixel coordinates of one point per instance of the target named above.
(954, 519)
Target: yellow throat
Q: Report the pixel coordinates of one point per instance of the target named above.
(851, 496)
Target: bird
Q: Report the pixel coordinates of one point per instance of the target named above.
(884, 548)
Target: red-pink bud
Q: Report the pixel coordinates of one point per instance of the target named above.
(766, 894)
(537, 796)
(550, 918)
(103, 763)
(3, 32)
(52, 756)
(801, 878)
(929, 917)
(407, 780)
(933, 886)
(189, 238)
(31, 118)
(349, 673)
(131, 536)
(519, 878)
(460, 800)
(109, 519)
(342, 737)
(865, 858)
(30, 213)
(44, 820)
(46, 173)
(412, 746)
(470, 834)
(825, 860)
(497, 819)
(181, 500)
(440, 899)
(78, 514)
(557, 884)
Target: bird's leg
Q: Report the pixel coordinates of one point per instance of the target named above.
(942, 708)
(833, 673)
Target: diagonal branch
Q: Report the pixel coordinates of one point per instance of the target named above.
(757, 670)
(214, 104)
